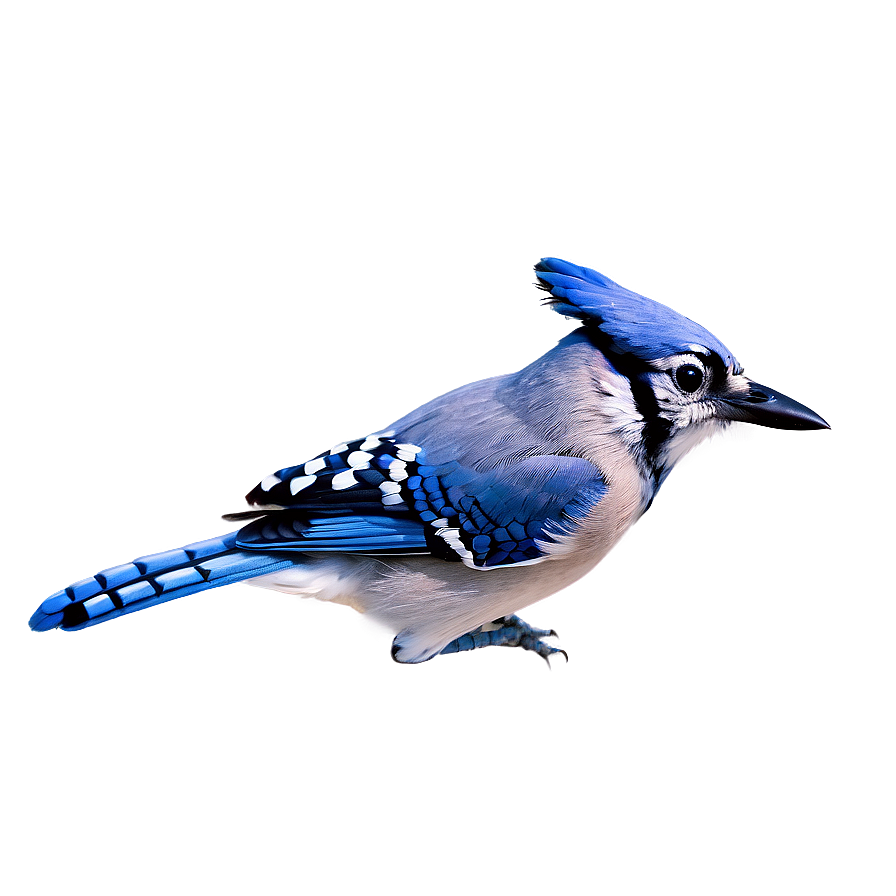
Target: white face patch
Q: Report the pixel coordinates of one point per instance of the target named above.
(619, 409)
(738, 385)
(681, 409)
(681, 442)
(693, 414)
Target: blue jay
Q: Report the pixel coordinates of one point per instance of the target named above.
(483, 501)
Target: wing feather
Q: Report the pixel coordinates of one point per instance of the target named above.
(379, 495)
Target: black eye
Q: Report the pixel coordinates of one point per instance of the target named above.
(689, 377)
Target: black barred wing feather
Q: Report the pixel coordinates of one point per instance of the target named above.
(364, 474)
(379, 495)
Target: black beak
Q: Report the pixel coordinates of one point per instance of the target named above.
(769, 408)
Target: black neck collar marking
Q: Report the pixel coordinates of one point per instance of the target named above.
(656, 429)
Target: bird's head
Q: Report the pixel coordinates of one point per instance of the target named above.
(685, 382)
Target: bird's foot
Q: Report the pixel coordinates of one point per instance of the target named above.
(524, 627)
(508, 631)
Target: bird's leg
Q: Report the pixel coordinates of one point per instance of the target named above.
(508, 631)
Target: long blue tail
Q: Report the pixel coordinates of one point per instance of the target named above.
(153, 580)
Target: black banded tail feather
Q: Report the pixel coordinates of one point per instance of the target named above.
(152, 580)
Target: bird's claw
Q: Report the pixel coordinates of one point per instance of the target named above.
(545, 651)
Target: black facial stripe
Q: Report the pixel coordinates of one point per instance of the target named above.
(656, 428)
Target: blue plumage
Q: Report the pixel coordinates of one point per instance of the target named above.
(546, 466)
(152, 580)
(636, 325)
(505, 511)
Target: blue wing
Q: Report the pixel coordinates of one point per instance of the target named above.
(378, 495)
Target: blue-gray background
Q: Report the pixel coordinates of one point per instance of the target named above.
(235, 234)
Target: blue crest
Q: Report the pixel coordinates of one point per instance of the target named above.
(635, 324)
